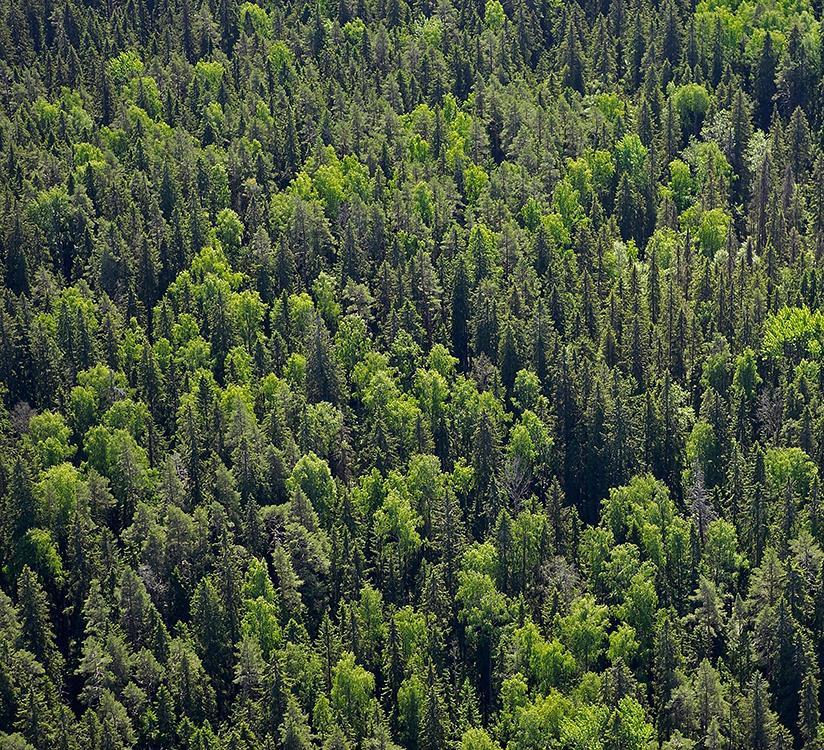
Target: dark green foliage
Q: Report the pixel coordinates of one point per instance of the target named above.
(411, 374)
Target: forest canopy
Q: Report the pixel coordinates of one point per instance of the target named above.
(423, 374)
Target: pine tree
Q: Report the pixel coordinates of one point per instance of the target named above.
(808, 718)
(764, 83)
(757, 512)
(16, 265)
(671, 43)
(322, 377)
(486, 334)
(486, 451)
(666, 661)
(433, 731)
(741, 134)
(294, 732)
(508, 356)
(574, 74)
(18, 507)
(210, 631)
(760, 730)
(37, 631)
(626, 207)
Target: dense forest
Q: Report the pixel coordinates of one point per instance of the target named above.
(428, 374)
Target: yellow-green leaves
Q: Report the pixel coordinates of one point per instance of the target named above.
(125, 66)
(494, 15)
(794, 333)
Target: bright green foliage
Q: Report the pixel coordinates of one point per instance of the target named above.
(794, 332)
(411, 375)
(352, 688)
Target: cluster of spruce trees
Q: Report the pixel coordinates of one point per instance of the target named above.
(431, 374)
